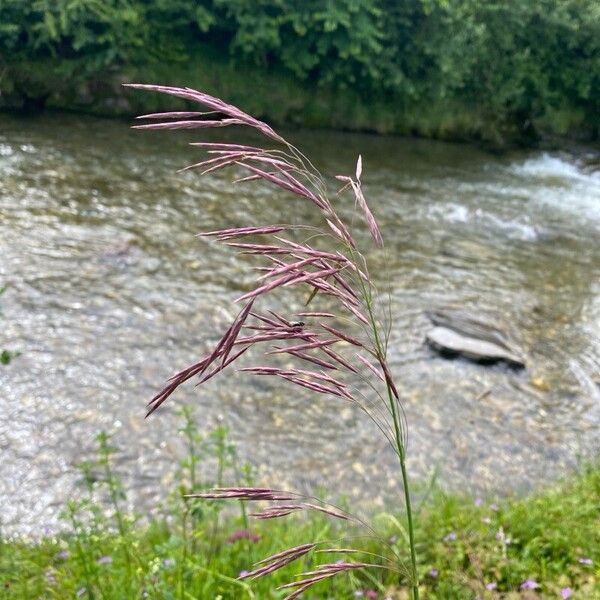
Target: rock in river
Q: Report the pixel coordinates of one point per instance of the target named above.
(457, 333)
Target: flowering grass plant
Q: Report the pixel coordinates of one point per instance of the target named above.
(336, 349)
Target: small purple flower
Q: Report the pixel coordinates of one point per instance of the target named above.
(243, 573)
(50, 577)
(433, 573)
(492, 585)
(104, 560)
(371, 595)
(168, 562)
(530, 584)
(478, 501)
(501, 537)
(566, 593)
(451, 537)
(63, 555)
(585, 561)
(494, 507)
(80, 592)
(393, 539)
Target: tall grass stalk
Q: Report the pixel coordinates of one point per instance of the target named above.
(116, 494)
(325, 262)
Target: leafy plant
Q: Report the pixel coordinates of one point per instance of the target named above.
(6, 355)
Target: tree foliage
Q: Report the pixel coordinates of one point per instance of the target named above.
(517, 61)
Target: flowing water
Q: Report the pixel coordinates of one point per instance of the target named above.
(111, 292)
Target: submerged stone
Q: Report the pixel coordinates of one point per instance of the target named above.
(459, 334)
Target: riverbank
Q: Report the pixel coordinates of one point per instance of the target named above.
(279, 98)
(487, 71)
(546, 545)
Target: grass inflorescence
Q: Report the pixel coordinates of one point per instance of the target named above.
(324, 261)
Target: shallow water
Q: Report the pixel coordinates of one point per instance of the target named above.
(111, 292)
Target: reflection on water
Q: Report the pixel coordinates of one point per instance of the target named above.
(111, 292)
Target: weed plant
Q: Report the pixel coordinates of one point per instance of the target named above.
(326, 264)
(6, 355)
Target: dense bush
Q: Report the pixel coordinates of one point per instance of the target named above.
(519, 63)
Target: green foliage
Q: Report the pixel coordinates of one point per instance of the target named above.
(521, 66)
(6, 355)
(334, 42)
(543, 537)
(184, 552)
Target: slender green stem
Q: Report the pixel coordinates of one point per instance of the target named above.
(409, 515)
(184, 549)
(82, 555)
(411, 533)
(401, 452)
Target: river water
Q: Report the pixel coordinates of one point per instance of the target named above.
(111, 292)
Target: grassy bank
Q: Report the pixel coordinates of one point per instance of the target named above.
(275, 96)
(543, 546)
